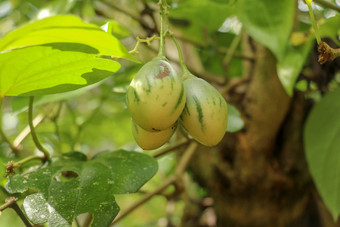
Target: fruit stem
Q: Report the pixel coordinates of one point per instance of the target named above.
(185, 71)
(163, 7)
(314, 24)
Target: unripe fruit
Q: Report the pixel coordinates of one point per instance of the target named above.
(151, 140)
(156, 97)
(205, 115)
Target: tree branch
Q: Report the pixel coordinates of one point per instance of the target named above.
(11, 202)
(172, 180)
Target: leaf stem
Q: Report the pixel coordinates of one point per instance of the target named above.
(163, 7)
(11, 202)
(180, 55)
(29, 158)
(314, 24)
(33, 133)
(26, 131)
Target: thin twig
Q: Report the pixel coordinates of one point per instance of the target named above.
(33, 133)
(172, 180)
(171, 148)
(326, 4)
(186, 158)
(8, 202)
(232, 49)
(26, 131)
(167, 183)
(11, 202)
(139, 41)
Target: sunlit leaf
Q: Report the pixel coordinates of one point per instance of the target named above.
(41, 70)
(321, 140)
(65, 28)
(70, 187)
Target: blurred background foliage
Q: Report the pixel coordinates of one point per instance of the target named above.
(95, 118)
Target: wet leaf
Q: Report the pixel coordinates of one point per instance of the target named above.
(70, 187)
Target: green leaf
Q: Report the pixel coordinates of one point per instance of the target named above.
(290, 66)
(206, 13)
(88, 187)
(267, 22)
(331, 28)
(65, 28)
(41, 70)
(235, 122)
(321, 140)
(197, 17)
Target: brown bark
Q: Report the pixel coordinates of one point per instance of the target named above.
(259, 176)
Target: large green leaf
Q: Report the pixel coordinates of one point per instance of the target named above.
(208, 14)
(322, 143)
(268, 22)
(289, 67)
(65, 28)
(197, 17)
(90, 188)
(331, 28)
(41, 70)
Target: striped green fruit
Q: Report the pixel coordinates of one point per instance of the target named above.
(151, 140)
(156, 97)
(205, 115)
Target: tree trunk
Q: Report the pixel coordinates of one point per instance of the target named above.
(259, 176)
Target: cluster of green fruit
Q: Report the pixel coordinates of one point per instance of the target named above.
(159, 100)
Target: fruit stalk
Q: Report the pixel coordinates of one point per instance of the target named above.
(163, 6)
(314, 24)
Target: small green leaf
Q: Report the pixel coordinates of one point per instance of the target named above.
(331, 28)
(65, 29)
(290, 66)
(41, 70)
(235, 122)
(70, 187)
(267, 22)
(321, 140)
